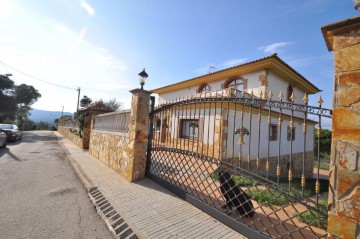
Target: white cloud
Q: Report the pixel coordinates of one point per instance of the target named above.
(64, 57)
(63, 29)
(233, 62)
(87, 8)
(6, 9)
(7, 38)
(76, 44)
(274, 48)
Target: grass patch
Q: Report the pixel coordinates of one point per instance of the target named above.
(273, 197)
(315, 218)
(324, 166)
(309, 189)
(243, 181)
(267, 196)
(239, 180)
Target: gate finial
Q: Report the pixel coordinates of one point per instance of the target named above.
(281, 96)
(320, 101)
(270, 95)
(292, 97)
(306, 98)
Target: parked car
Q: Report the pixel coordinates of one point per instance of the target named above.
(3, 139)
(12, 132)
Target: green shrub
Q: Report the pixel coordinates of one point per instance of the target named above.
(267, 196)
(315, 218)
(239, 180)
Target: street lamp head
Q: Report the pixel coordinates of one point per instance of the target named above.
(357, 4)
(8, 75)
(142, 77)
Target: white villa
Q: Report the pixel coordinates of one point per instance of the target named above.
(267, 140)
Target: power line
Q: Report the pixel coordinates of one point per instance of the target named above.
(35, 78)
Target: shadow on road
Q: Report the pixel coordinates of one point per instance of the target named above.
(8, 152)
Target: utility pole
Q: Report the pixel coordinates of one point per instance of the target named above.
(77, 108)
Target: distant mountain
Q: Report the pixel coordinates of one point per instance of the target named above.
(46, 116)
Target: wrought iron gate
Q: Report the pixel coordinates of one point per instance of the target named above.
(245, 160)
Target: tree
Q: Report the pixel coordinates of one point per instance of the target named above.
(113, 104)
(15, 101)
(28, 125)
(85, 101)
(325, 142)
(7, 98)
(26, 95)
(42, 125)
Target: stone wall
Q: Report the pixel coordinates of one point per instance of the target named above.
(126, 152)
(344, 195)
(70, 130)
(72, 134)
(112, 149)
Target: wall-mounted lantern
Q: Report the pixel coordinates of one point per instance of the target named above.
(241, 132)
(142, 77)
(357, 4)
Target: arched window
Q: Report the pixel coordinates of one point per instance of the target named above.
(290, 91)
(236, 84)
(203, 88)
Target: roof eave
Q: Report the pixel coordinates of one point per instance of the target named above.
(273, 63)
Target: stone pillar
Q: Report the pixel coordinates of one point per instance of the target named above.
(138, 135)
(87, 130)
(344, 194)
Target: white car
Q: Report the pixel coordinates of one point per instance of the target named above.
(3, 139)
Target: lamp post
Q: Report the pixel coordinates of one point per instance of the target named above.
(77, 107)
(357, 4)
(142, 77)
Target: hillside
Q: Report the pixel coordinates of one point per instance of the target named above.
(46, 116)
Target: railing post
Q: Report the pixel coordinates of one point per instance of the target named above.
(344, 211)
(138, 135)
(151, 125)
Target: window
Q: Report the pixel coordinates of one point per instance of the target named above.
(290, 91)
(273, 132)
(189, 128)
(236, 84)
(203, 88)
(290, 133)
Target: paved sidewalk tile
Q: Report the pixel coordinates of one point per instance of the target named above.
(150, 210)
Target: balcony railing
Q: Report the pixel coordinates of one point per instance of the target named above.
(113, 122)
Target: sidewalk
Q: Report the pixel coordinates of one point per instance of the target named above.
(142, 209)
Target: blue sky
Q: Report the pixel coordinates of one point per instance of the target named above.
(101, 46)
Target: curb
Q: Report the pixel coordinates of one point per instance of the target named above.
(114, 221)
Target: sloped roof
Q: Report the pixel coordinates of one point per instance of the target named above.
(272, 63)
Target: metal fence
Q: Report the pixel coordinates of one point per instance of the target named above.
(113, 122)
(246, 160)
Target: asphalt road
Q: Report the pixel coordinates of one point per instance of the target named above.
(40, 194)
